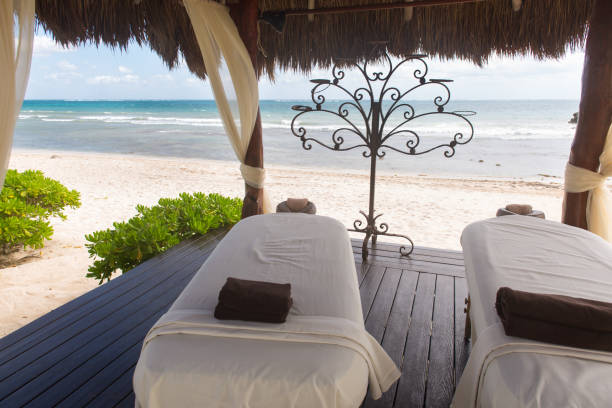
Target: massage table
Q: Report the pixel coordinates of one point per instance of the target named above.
(534, 255)
(321, 357)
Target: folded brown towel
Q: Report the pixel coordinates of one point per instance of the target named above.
(520, 209)
(242, 299)
(223, 313)
(557, 319)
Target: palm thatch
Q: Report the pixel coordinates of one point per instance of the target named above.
(471, 31)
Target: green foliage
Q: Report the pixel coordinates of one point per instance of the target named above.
(27, 201)
(155, 229)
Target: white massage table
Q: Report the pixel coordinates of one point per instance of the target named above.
(306, 362)
(534, 255)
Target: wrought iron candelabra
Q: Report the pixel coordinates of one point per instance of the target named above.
(374, 104)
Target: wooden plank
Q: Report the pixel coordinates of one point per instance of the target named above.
(115, 393)
(362, 271)
(60, 361)
(440, 381)
(376, 320)
(117, 283)
(93, 300)
(369, 287)
(416, 266)
(386, 246)
(71, 384)
(390, 256)
(85, 362)
(43, 356)
(34, 346)
(128, 402)
(411, 385)
(462, 346)
(431, 255)
(97, 308)
(105, 382)
(432, 260)
(394, 337)
(439, 251)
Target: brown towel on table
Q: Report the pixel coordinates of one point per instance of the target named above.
(242, 299)
(297, 204)
(558, 319)
(520, 209)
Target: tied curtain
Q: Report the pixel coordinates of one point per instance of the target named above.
(218, 38)
(15, 59)
(599, 202)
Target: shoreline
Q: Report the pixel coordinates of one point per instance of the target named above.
(431, 209)
(541, 178)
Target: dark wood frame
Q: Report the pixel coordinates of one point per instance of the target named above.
(246, 16)
(595, 114)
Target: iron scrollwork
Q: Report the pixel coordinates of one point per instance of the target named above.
(375, 104)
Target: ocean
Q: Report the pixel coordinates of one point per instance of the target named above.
(527, 139)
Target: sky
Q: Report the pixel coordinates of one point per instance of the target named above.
(91, 72)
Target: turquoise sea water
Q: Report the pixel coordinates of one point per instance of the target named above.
(511, 138)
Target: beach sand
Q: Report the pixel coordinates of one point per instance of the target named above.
(431, 210)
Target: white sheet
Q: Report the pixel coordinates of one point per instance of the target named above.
(542, 256)
(229, 367)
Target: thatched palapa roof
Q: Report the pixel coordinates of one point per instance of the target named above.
(472, 31)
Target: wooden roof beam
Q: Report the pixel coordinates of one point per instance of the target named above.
(374, 7)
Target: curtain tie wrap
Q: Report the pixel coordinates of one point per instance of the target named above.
(598, 211)
(253, 176)
(579, 180)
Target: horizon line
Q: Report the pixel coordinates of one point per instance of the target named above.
(270, 100)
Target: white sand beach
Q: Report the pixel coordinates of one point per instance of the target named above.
(431, 210)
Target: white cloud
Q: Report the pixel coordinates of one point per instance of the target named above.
(66, 66)
(64, 77)
(162, 77)
(44, 45)
(130, 78)
(113, 79)
(124, 70)
(104, 79)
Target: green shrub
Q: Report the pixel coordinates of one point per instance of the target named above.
(155, 229)
(27, 201)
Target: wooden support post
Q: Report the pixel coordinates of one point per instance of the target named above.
(245, 14)
(595, 113)
(467, 331)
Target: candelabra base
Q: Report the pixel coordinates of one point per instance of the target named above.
(372, 232)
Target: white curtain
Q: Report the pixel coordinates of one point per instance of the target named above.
(218, 38)
(599, 202)
(15, 59)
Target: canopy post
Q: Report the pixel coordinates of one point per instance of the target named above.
(246, 14)
(595, 112)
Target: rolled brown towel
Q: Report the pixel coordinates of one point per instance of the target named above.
(242, 299)
(520, 209)
(297, 204)
(310, 208)
(557, 319)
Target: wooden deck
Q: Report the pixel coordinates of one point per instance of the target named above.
(84, 353)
